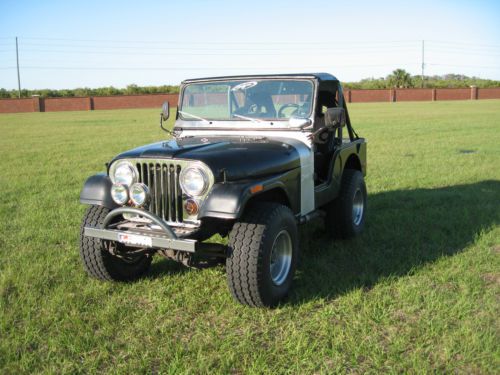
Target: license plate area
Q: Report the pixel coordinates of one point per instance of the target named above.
(135, 239)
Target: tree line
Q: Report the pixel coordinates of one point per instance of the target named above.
(86, 91)
(399, 78)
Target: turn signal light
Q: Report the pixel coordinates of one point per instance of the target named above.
(256, 188)
(191, 207)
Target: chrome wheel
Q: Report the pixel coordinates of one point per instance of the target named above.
(358, 208)
(281, 257)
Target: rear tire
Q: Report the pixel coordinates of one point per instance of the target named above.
(263, 255)
(98, 261)
(345, 216)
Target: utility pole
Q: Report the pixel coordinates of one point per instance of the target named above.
(18, 76)
(423, 63)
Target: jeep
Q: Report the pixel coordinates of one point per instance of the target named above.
(249, 158)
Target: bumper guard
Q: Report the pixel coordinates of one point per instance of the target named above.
(168, 240)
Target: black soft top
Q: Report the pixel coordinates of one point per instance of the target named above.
(319, 76)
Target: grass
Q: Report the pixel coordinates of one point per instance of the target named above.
(417, 293)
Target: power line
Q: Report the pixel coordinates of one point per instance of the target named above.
(34, 67)
(229, 53)
(466, 43)
(185, 42)
(200, 68)
(463, 52)
(79, 47)
(295, 42)
(467, 66)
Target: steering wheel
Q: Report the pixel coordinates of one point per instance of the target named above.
(289, 105)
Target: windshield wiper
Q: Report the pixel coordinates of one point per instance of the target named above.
(247, 118)
(193, 116)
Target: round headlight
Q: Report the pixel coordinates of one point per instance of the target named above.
(119, 193)
(123, 173)
(139, 194)
(194, 181)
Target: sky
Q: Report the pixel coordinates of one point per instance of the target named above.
(69, 44)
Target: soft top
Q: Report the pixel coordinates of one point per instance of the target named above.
(318, 76)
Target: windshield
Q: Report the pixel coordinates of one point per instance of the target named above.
(254, 100)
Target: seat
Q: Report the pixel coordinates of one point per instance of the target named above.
(323, 151)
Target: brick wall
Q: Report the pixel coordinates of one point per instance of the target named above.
(453, 94)
(66, 104)
(134, 101)
(16, 105)
(364, 96)
(413, 95)
(37, 104)
(493, 93)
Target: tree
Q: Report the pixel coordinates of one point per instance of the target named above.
(400, 78)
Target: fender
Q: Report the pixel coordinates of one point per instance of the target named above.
(97, 191)
(228, 200)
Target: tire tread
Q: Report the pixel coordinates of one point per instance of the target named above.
(245, 241)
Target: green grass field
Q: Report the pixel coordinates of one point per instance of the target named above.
(419, 292)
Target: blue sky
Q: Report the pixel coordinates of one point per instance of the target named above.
(68, 44)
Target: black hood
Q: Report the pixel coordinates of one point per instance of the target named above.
(240, 157)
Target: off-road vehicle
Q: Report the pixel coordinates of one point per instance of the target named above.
(250, 158)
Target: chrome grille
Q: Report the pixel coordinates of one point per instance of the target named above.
(162, 179)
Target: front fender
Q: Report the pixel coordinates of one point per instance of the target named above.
(97, 191)
(228, 200)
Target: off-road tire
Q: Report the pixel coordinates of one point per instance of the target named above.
(98, 261)
(250, 245)
(340, 221)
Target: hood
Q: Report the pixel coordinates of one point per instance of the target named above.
(240, 157)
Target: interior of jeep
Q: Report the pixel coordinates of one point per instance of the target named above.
(326, 139)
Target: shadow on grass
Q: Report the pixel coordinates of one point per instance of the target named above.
(405, 230)
(162, 267)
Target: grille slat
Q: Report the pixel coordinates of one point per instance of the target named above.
(162, 198)
(157, 191)
(172, 193)
(162, 179)
(178, 199)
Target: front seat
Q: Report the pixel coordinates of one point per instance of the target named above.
(323, 151)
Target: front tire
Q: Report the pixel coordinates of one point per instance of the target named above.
(345, 216)
(263, 255)
(98, 261)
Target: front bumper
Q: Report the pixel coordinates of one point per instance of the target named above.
(139, 239)
(165, 238)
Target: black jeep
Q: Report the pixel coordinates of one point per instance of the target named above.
(251, 157)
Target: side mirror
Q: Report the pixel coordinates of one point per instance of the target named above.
(335, 118)
(165, 111)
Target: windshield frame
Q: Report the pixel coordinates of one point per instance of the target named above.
(185, 122)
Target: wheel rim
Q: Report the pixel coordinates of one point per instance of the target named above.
(281, 257)
(358, 207)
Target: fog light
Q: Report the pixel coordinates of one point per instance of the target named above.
(119, 193)
(139, 194)
(191, 207)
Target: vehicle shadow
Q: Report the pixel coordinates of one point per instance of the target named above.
(162, 267)
(405, 230)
